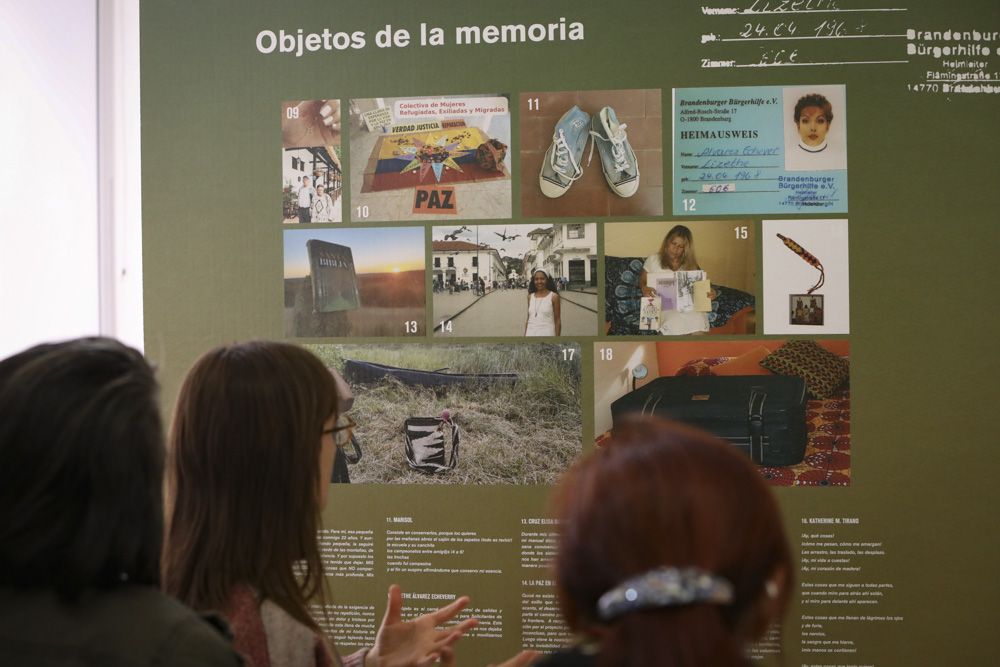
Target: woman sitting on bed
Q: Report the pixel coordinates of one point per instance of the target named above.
(676, 254)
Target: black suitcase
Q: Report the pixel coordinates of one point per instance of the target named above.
(765, 415)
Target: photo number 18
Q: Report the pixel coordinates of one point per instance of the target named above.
(607, 354)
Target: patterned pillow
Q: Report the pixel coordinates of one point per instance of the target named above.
(621, 296)
(822, 370)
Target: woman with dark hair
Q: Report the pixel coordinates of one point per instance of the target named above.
(81, 466)
(812, 115)
(252, 446)
(671, 552)
(544, 317)
(676, 253)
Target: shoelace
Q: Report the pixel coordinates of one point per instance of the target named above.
(617, 142)
(563, 155)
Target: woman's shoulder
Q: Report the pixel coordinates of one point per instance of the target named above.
(185, 636)
(652, 263)
(290, 642)
(135, 625)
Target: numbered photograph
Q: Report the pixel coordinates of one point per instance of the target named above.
(430, 158)
(354, 282)
(815, 128)
(311, 169)
(671, 279)
(806, 280)
(515, 280)
(786, 404)
(457, 414)
(761, 149)
(591, 153)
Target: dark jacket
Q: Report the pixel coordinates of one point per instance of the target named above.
(128, 627)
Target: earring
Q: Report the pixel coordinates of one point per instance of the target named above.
(771, 588)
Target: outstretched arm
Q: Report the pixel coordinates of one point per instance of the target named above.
(418, 642)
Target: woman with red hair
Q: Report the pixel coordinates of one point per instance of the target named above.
(671, 552)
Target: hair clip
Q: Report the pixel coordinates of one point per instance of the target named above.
(664, 587)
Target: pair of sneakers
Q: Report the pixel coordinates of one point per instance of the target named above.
(562, 164)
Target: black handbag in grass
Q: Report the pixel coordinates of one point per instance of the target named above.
(343, 457)
(426, 450)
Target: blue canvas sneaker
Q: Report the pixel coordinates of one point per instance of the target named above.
(621, 169)
(561, 164)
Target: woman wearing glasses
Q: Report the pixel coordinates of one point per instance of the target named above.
(252, 448)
